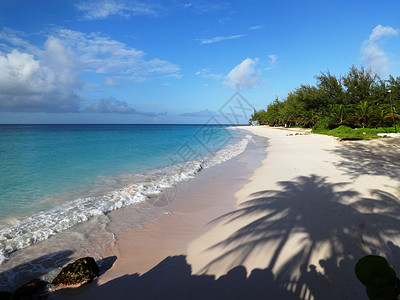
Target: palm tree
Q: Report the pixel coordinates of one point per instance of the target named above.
(337, 113)
(363, 112)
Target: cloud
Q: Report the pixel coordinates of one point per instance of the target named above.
(103, 9)
(257, 27)
(243, 75)
(201, 6)
(381, 31)
(14, 38)
(273, 58)
(206, 73)
(200, 114)
(102, 55)
(224, 20)
(221, 38)
(110, 82)
(46, 78)
(111, 105)
(39, 84)
(375, 57)
(272, 61)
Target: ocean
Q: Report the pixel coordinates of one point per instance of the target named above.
(54, 177)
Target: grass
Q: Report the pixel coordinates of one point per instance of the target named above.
(347, 133)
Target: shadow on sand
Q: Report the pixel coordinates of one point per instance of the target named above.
(322, 220)
(325, 217)
(380, 158)
(172, 279)
(21, 274)
(17, 276)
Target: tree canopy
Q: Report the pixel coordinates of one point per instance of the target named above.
(358, 99)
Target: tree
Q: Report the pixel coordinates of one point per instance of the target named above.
(337, 113)
(330, 89)
(359, 84)
(364, 113)
(360, 98)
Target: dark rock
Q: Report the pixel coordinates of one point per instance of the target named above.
(35, 289)
(82, 271)
(5, 295)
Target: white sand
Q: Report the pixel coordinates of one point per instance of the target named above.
(322, 204)
(314, 207)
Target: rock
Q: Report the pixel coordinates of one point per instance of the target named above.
(82, 271)
(35, 289)
(5, 295)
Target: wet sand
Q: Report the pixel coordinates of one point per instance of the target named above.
(290, 228)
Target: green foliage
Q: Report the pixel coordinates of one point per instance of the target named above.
(337, 113)
(357, 99)
(321, 126)
(347, 133)
(378, 277)
(359, 84)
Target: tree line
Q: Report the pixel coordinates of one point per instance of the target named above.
(358, 99)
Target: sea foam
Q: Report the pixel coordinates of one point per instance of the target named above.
(27, 231)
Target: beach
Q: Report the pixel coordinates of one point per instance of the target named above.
(287, 219)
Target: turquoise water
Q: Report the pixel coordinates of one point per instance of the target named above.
(42, 161)
(55, 176)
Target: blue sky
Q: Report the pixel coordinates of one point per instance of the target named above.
(117, 61)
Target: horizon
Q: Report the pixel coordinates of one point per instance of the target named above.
(177, 62)
(128, 124)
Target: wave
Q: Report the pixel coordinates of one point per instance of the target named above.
(41, 226)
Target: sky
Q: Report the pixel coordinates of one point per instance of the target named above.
(177, 62)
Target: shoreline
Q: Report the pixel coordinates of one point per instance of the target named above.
(300, 222)
(196, 203)
(44, 257)
(293, 215)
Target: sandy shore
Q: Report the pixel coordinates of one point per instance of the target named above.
(291, 229)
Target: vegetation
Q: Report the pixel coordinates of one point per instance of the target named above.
(347, 133)
(360, 99)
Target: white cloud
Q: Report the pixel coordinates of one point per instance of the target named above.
(13, 37)
(202, 6)
(244, 75)
(38, 84)
(64, 61)
(102, 9)
(221, 38)
(381, 31)
(272, 61)
(110, 82)
(103, 55)
(162, 66)
(45, 79)
(257, 27)
(375, 57)
(273, 58)
(206, 73)
(224, 20)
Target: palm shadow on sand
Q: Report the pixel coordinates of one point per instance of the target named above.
(173, 279)
(307, 205)
(314, 210)
(358, 158)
